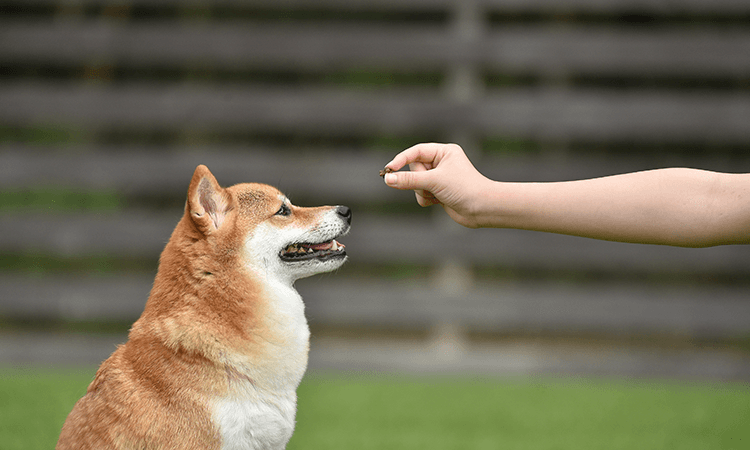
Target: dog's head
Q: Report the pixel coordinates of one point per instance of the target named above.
(259, 226)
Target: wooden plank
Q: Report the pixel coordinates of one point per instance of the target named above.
(120, 297)
(620, 6)
(604, 6)
(326, 174)
(377, 240)
(530, 48)
(126, 234)
(292, 46)
(524, 112)
(600, 114)
(618, 51)
(203, 107)
(549, 306)
(701, 312)
(331, 353)
(423, 241)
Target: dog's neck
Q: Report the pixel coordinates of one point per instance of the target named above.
(260, 406)
(287, 344)
(242, 317)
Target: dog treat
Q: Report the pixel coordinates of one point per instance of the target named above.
(385, 171)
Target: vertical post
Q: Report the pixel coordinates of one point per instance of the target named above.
(556, 82)
(196, 13)
(464, 87)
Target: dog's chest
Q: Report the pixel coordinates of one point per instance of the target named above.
(260, 408)
(255, 424)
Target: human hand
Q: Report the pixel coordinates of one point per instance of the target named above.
(440, 174)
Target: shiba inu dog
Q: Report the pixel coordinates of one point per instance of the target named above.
(216, 357)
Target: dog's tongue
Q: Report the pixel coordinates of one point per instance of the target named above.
(323, 246)
(330, 245)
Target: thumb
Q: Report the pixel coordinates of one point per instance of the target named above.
(408, 180)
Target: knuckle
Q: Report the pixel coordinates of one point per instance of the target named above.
(406, 179)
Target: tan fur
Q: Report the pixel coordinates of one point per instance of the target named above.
(207, 317)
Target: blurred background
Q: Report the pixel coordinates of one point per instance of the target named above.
(107, 106)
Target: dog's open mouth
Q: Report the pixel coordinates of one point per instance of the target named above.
(304, 251)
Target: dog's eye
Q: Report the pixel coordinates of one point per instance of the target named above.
(284, 210)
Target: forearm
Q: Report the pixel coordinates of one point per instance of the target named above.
(683, 207)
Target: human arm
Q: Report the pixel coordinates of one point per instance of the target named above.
(677, 206)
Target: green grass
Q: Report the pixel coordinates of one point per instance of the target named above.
(464, 413)
(407, 412)
(34, 404)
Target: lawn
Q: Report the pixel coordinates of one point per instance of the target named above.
(349, 411)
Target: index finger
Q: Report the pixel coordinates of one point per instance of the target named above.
(423, 153)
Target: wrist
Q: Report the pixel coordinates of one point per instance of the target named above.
(485, 208)
(504, 205)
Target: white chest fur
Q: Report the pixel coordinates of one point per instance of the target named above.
(252, 424)
(260, 408)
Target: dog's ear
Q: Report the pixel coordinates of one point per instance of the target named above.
(207, 202)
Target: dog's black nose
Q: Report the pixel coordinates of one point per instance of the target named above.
(345, 212)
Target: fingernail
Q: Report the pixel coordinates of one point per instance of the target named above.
(390, 179)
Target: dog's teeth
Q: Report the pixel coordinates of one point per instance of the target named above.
(335, 246)
(309, 250)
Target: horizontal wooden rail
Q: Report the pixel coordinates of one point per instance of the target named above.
(375, 239)
(525, 112)
(541, 307)
(322, 175)
(534, 49)
(607, 6)
(319, 174)
(551, 306)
